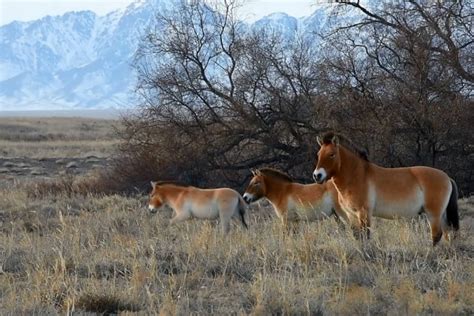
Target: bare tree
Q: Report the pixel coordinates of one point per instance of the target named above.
(235, 98)
(219, 97)
(442, 27)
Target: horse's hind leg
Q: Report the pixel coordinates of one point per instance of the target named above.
(444, 228)
(241, 211)
(434, 208)
(225, 216)
(225, 224)
(436, 226)
(242, 221)
(436, 231)
(446, 235)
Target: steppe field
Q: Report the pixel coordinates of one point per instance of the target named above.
(64, 250)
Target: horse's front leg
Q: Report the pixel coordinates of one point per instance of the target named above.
(289, 226)
(180, 217)
(283, 216)
(364, 221)
(359, 220)
(284, 220)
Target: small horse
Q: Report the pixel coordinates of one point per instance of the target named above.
(293, 201)
(188, 201)
(366, 189)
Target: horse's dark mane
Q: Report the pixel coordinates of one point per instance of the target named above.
(276, 174)
(343, 140)
(171, 182)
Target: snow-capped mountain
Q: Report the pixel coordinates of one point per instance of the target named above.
(82, 60)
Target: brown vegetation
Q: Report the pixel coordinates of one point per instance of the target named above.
(68, 245)
(65, 246)
(107, 254)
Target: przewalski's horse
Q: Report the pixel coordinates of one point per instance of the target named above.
(293, 201)
(189, 202)
(366, 189)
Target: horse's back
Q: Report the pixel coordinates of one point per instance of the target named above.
(306, 193)
(217, 193)
(431, 178)
(208, 203)
(226, 194)
(402, 181)
(224, 198)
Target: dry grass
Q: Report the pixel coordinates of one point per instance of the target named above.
(57, 149)
(64, 249)
(69, 185)
(107, 254)
(56, 137)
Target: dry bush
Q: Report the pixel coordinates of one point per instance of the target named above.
(70, 185)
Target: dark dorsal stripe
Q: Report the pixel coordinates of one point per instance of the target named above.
(270, 172)
(346, 142)
(173, 183)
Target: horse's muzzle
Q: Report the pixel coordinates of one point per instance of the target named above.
(248, 198)
(319, 176)
(152, 209)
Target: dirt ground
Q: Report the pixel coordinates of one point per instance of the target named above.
(47, 148)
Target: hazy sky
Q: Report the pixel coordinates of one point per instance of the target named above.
(25, 10)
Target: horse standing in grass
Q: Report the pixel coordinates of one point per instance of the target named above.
(366, 189)
(188, 202)
(293, 201)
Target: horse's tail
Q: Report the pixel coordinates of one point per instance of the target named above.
(452, 214)
(242, 206)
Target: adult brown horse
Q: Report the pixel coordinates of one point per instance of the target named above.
(293, 201)
(366, 189)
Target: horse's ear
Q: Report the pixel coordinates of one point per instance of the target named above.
(318, 139)
(335, 140)
(258, 172)
(153, 184)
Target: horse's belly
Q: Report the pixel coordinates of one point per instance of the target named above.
(311, 212)
(408, 207)
(205, 212)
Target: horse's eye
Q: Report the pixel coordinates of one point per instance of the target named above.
(332, 156)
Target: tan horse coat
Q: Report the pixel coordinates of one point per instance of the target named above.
(293, 201)
(191, 202)
(366, 189)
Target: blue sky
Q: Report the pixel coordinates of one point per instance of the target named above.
(25, 10)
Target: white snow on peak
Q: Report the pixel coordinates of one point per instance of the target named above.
(81, 60)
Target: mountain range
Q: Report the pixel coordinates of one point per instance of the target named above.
(80, 60)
